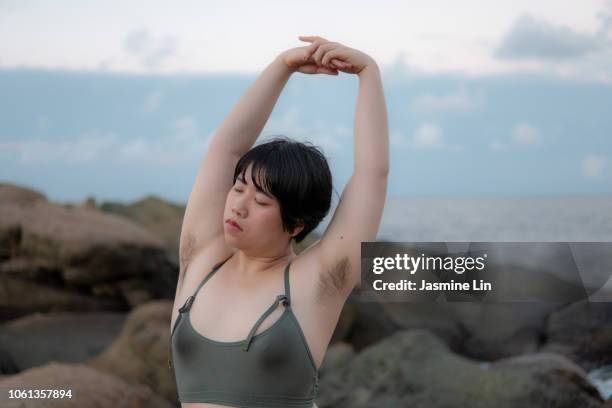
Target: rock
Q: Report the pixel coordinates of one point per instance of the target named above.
(483, 331)
(582, 332)
(90, 202)
(58, 258)
(12, 193)
(500, 330)
(337, 356)
(20, 298)
(37, 339)
(140, 352)
(415, 368)
(164, 219)
(89, 388)
(363, 323)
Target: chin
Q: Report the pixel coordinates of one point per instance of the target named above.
(230, 240)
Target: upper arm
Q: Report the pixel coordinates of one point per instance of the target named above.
(203, 218)
(356, 219)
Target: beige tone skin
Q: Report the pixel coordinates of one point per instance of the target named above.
(323, 275)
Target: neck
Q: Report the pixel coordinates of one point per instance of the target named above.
(249, 265)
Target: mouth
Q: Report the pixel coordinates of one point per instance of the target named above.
(235, 224)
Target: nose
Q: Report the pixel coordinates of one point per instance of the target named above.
(239, 208)
(239, 211)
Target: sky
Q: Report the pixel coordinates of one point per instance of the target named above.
(484, 98)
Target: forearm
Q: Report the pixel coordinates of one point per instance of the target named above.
(371, 126)
(240, 129)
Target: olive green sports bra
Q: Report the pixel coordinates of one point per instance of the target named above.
(272, 369)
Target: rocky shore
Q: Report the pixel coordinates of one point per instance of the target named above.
(85, 300)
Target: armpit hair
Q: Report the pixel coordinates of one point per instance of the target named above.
(187, 251)
(334, 280)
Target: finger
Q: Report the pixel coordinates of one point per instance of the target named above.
(324, 48)
(311, 38)
(323, 70)
(331, 53)
(313, 47)
(340, 63)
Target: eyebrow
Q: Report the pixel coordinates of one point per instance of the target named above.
(242, 180)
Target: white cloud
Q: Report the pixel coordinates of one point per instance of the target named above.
(497, 145)
(289, 125)
(152, 101)
(457, 101)
(398, 139)
(428, 136)
(525, 134)
(560, 49)
(184, 127)
(183, 144)
(593, 166)
(85, 149)
(533, 38)
(151, 51)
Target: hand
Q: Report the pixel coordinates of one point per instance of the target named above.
(335, 55)
(300, 59)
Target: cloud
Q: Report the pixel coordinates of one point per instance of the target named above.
(85, 149)
(428, 136)
(184, 127)
(457, 101)
(152, 101)
(606, 20)
(150, 51)
(497, 145)
(531, 38)
(398, 140)
(525, 134)
(320, 135)
(183, 144)
(593, 166)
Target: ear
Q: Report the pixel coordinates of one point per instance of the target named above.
(298, 228)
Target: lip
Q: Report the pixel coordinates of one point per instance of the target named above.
(234, 224)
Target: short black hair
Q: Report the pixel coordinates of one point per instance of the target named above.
(297, 175)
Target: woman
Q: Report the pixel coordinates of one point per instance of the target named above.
(229, 346)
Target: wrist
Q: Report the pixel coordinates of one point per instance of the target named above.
(370, 67)
(279, 61)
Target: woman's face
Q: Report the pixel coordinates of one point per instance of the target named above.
(256, 212)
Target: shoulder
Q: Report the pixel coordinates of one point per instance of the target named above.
(197, 260)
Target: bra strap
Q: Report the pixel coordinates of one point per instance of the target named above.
(287, 287)
(284, 299)
(187, 305)
(279, 299)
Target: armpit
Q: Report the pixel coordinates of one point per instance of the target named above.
(186, 252)
(334, 280)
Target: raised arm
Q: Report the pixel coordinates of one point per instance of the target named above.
(358, 214)
(203, 219)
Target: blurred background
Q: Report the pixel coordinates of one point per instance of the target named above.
(500, 131)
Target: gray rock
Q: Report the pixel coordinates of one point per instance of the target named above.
(414, 368)
(37, 339)
(140, 353)
(89, 388)
(582, 332)
(64, 257)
